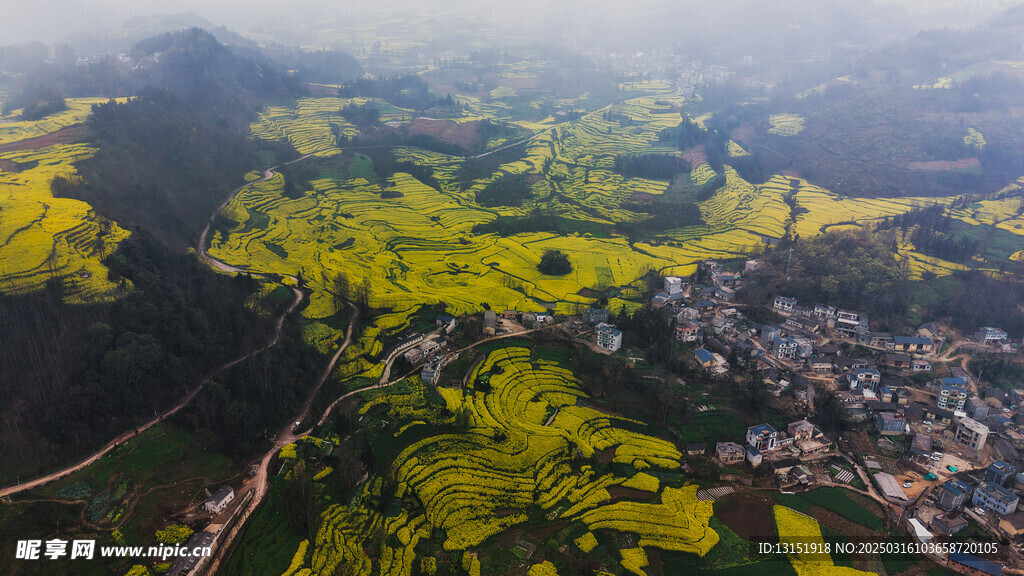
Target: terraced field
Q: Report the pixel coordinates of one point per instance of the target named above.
(825, 210)
(415, 245)
(498, 459)
(14, 129)
(42, 237)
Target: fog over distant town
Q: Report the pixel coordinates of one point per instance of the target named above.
(631, 24)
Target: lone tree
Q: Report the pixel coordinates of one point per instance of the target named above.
(554, 263)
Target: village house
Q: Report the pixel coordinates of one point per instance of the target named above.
(995, 498)
(890, 424)
(784, 348)
(673, 285)
(802, 430)
(864, 379)
(784, 304)
(687, 314)
(824, 312)
(219, 499)
(821, 363)
(875, 339)
(950, 394)
(687, 332)
(595, 316)
(762, 437)
(704, 358)
(891, 489)
(725, 294)
(898, 360)
(949, 523)
(971, 433)
(911, 344)
(930, 330)
(608, 337)
(723, 278)
(853, 363)
(848, 323)
(988, 335)
(769, 332)
(490, 322)
(919, 365)
(1000, 472)
(729, 453)
(754, 456)
(971, 565)
(804, 347)
(952, 494)
(801, 323)
(803, 311)
(188, 564)
(977, 409)
(431, 370)
(919, 532)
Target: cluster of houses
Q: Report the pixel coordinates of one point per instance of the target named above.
(989, 496)
(788, 452)
(495, 323)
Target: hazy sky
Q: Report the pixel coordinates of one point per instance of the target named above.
(52, 20)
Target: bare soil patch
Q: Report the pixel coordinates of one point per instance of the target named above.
(747, 516)
(623, 493)
(945, 165)
(62, 136)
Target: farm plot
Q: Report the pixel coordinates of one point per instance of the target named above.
(14, 129)
(44, 238)
(498, 458)
(794, 527)
(415, 244)
(414, 249)
(835, 500)
(820, 210)
(786, 124)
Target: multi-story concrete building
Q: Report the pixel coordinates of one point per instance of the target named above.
(971, 433)
(996, 498)
(784, 348)
(785, 304)
(990, 335)
(1000, 472)
(953, 494)
(763, 437)
(951, 396)
(608, 337)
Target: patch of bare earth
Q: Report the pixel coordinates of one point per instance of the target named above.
(62, 136)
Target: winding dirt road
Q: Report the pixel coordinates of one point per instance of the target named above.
(201, 249)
